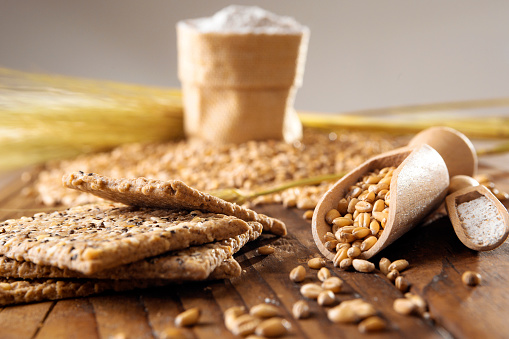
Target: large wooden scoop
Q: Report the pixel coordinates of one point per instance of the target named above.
(480, 220)
(418, 186)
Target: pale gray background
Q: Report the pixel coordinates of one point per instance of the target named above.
(362, 54)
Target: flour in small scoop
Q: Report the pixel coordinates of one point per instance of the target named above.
(481, 221)
(246, 19)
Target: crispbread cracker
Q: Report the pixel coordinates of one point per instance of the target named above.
(13, 291)
(229, 268)
(194, 263)
(172, 194)
(95, 237)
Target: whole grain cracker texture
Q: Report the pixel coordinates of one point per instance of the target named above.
(14, 291)
(194, 263)
(95, 237)
(171, 194)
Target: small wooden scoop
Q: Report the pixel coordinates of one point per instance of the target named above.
(418, 186)
(480, 220)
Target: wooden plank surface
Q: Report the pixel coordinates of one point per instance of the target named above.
(436, 256)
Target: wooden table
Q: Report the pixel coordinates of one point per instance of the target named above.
(437, 261)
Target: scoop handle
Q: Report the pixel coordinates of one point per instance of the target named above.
(455, 148)
(461, 181)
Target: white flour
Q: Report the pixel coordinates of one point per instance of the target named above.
(246, 19)
(481, 221)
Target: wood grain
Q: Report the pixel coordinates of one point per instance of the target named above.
(437, 260)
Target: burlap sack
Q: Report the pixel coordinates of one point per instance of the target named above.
(240, 87)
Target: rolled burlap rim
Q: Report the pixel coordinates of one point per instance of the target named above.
(240, 87)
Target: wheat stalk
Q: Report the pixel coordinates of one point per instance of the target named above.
(46, 117)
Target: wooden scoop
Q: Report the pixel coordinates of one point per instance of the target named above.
(418, 186)
(480, 220)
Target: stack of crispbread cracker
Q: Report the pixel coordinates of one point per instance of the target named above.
(152, 233)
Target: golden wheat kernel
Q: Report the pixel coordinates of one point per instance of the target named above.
(387, 198)
(386, 180)
(188, 318)
(169, 333)
(335, 230)
(372, 324)
(361, 232)
(345, 264)
(379, 187)
(370, 197)
(264, 311)
(254, 336)
(401, 284)
(471, 278)
(311, 290)
(363, 195)
(365, 186)
(316, 263)
(331, 245)
(380, 216)
(349, 216)
(298, 274)
(329, 236)
(342, 314)
(355, 215)
(351, 311)
(301, 310)
(420, 303)
(342, 206)
(399, 265)
(306, 204)
(331, 215)
(353, 252)
(374, 227)
(265, 250)
(381, 194)
(235, 311)
(308, 215)
(354, 192)
(392, 275)
(273, 327)
(290, 202)
(340, 255)
(384, 266)
(362, 265)
(333, 284)
(342, 245)
(357, 243)
(347, 229)
(245, 324)
(362, 309)
(231, 314)
(378, 206)
(363, 207)
(364, 219)
(323, 274)
(326, 298)
(404, 306)
(373, 188)
(342, 222)
(373, 179)
(346, 237)
(351, 205)
(368, 243)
